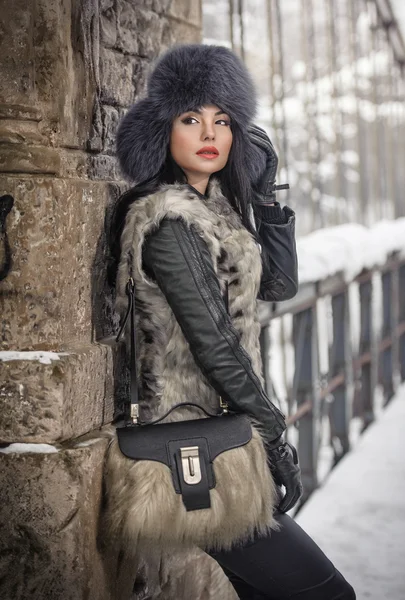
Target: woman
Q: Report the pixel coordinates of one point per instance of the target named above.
(202, 220)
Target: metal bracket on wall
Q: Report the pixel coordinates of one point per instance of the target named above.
(6, 204)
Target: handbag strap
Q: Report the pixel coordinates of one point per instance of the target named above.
(132, 416)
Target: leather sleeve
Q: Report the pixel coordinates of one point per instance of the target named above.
(182, 267)
(276, 229)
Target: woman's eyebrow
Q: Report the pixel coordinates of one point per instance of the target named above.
(198, 111)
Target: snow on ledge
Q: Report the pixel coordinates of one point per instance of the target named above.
(19, 448)
(45, 358)
(348, 249)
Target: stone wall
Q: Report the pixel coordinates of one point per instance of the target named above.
(68, 71)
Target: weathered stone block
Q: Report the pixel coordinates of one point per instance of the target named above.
(47, 64)
(21, 158)
(50, 507)
(128, 30)
(52, 294)
(108, 23)
(116, 77)
(73, 163)
(20, 112)
(26, 132)
(158, 6)
(110, 118)
(95, 140)
(141, 70)
(48, 397)
(179, 32)
(78, 76)
(50, 43)
(17, 66)
(149, 33)
(104, 167)
(189, 12)
(103, 134)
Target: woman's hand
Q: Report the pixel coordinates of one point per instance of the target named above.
(266, 187)
(284, 466)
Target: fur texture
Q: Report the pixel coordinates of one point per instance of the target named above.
(190, 76)
(238, 506)
(186, 77)
(165, 360)
(244, 497)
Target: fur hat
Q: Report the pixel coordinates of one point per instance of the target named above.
(185, 77)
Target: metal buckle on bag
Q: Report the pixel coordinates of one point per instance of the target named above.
(134, 413)
(190, 461)
(223, 404)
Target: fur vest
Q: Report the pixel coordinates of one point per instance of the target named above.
(168, 372)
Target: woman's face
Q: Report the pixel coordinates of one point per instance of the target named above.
(200, 141)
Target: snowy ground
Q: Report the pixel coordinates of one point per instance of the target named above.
(358, 516)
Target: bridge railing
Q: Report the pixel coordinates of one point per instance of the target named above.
(371, 304)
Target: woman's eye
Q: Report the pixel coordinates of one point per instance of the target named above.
(188, 120)
(224, 121)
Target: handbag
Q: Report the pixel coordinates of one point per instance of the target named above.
(202, 481)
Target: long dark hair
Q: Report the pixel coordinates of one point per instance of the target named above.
(235, 184)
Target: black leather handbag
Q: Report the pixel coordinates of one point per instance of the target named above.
(202, 482)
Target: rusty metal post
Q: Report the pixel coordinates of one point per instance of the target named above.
(401, 318)
(306, 377)
(340, 410)
(397, 142)
(395, 322)
(368, 375)
(386, 355)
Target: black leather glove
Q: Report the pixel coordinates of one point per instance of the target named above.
(266, 186)
(283, 460)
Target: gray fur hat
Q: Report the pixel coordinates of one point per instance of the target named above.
(186, 77)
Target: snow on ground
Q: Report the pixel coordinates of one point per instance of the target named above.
(358, 516)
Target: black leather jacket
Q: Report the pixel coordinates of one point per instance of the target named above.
(180, 262)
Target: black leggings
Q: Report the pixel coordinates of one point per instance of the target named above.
(286, 564)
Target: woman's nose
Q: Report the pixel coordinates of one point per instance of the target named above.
(208, 132)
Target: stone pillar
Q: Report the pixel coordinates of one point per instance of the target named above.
(68, 71)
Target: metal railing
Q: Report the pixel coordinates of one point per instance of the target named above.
(347, 389)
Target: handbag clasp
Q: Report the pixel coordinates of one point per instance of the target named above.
(224, 405)
(190, 461)
(134, 413)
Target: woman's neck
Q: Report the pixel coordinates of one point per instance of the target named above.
(198, 182)
(196, 191)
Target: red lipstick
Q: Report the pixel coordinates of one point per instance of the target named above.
(208, 152)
